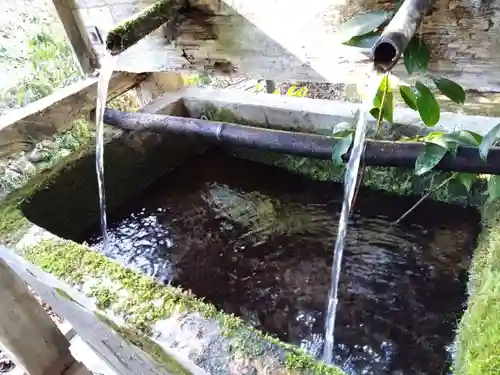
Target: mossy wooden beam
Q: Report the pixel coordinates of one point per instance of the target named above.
(130, 31)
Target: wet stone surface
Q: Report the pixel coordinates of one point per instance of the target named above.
(257, 241)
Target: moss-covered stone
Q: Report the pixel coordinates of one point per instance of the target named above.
(132, 162)
(142, 302)
(478, 340)
(394, 180)
(12, 221)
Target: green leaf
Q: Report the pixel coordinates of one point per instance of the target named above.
(362, 24)
(451, 90)
(364, 41)
(429, 158)
(291, 90)
(466, 179)
(427, 105)
(493, 188)
(442, 139)
(385, 94)
(409, 97)
(416, 56)
(465, 137)
(341, 148)
(488, 141)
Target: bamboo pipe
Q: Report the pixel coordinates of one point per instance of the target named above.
(390, 46)
(378, 153)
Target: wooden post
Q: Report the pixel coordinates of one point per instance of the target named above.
(28, 334)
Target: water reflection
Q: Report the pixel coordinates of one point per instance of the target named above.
(257, 242)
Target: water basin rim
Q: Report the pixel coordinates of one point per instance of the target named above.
(377, 152)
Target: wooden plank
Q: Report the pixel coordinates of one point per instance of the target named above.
(26, 331)
(20, 129)
(244, 36)
(80, 42)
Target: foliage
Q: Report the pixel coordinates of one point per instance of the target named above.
(418, 97)
(52, 66)
(294, 90)
(196, 79)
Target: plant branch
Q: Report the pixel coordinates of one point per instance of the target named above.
(379, 125)
(426, 195)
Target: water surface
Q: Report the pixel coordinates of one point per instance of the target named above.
(256, 241)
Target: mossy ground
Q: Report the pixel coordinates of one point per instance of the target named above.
(147, 302)
(478, 349)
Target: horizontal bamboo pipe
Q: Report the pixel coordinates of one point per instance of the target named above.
(378, 153)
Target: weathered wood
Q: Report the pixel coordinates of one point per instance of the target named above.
(156, 85)
(27, 332)
(20, 129)
(116, 352)
(378, 153)
(79, 40)
(245, 36)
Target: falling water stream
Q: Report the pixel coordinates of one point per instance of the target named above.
(350, 182)
(105, 74)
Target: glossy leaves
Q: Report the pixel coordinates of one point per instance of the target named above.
(427, 105)
(429, 158)
(362, 24)
(451, 90)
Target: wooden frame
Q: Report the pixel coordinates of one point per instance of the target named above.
(228, 36)
(21, 129)
(28, 334)
(79, 42)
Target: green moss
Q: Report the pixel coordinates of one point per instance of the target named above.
(134, 29)
(300, 362)
(478, 341)
(395, 180)
(146, 302)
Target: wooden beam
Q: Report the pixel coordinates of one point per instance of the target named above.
(28, 334)
(20, 129)
(79, 42)
(227, 36)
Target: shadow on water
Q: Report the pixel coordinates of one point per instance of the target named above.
(257, 241)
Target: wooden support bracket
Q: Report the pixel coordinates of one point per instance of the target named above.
(28, 334)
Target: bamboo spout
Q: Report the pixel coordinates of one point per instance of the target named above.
(388, 49)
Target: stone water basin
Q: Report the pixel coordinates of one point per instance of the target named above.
(257, 241)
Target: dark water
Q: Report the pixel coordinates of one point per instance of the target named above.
(257, 241)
